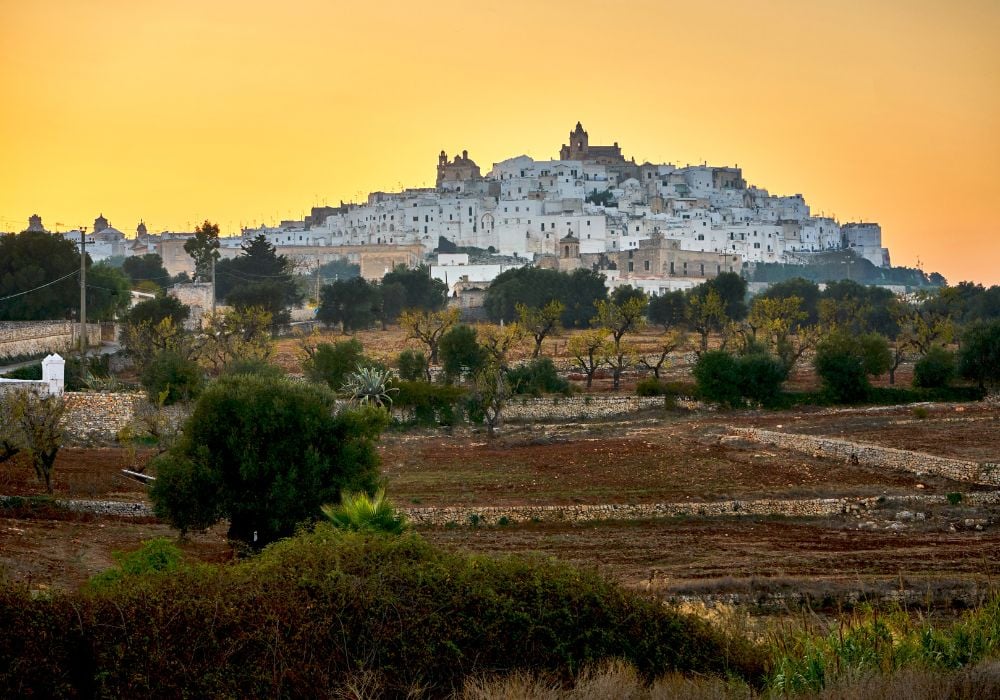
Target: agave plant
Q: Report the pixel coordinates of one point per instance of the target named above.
(361, 512)
(369, 386)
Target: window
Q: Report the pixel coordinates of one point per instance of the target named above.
(671, 267)
(645, 265)
(416, 219)
(631, 266)
(703, 269)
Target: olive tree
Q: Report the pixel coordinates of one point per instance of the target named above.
(266, 453)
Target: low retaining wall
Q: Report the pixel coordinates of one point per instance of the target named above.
(37, 337)
(870, 455)
(491, 515)
(574, 407)
(795, 508)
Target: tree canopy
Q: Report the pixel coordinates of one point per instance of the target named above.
(421, 291)
(260, 277)
(266, 453)
(352, 303)
(203, 249)
(30, 260)
(577, 291)
(108, 293)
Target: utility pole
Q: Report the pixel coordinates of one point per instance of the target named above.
(83, 290)
(213, 284)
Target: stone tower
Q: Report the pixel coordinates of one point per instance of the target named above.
(35, 223)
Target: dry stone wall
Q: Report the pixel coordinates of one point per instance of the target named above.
(439, 516)
(38, 337)
(576, 407)
(96, 419)
(870, 455)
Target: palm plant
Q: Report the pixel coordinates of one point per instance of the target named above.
(363, 513)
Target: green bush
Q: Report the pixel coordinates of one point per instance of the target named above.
(873, 642)
(412, 365)
(718, 376)
(332, 363)
(173, 376)
(429, 404)
(310, 614)
(251, 365)
(159, 554)
(761, 377)
(27, 373)
(363, 513)
(730, 380)
(979, 357)
(266, 454)
(536, 378)
(935, 369)
(460, 353)
(652, 387)
(844, 362)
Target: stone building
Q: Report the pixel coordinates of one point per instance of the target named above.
(450, 174)
(579, 148)
(660, 257)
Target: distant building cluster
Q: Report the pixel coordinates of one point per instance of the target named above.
(654, 226)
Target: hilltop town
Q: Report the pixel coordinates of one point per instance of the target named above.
(656, 227)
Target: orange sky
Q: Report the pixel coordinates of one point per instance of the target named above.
(246, 111)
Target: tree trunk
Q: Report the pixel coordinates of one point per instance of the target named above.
(538, 346)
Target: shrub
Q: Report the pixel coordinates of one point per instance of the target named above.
(935, 369)
(266, 453)
(718, 376)
(761, 377)
(302, 618)
(536, 378)
(979, 357)
(412, 365)
(460, 353)
(845, 361)
(159, 554)
(28, 373)
(252, 365)
(652, 387)
(430, 404)
(332, 363)
(172, 376)
(363, 513)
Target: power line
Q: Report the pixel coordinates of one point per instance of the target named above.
(47, 284)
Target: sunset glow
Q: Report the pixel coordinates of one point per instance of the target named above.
(252, 111)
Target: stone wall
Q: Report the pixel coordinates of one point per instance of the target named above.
(870, 455)
(491, 515)
(96, 419)
(39, 337)
(576, 407)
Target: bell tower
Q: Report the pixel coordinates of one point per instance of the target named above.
(579, 144)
